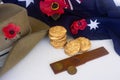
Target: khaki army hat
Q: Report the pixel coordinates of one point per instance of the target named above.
(18, 34)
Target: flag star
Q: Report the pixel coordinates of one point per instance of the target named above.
(1, 2)
(93, 24)
(117, 2)
(28, 2)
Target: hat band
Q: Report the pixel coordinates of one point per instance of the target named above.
(3, 55)
(3, 52)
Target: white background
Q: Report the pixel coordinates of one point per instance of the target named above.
(35, 66)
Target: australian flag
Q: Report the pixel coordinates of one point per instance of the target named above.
(102, 17)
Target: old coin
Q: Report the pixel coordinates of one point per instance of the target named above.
(84, 43)
(72, 47)
(58, 66)
(71, 70)
(57, 39)
(57, 44)
(57, 31)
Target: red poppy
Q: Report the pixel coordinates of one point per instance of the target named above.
(11, 30)
(51, 7)
(74, 31)
(78, 25)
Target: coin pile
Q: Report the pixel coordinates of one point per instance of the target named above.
(77, 45)
(58, 37)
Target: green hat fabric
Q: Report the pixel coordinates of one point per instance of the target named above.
(31, 32)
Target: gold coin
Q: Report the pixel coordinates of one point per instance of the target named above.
(72, 47)
(58, 66)
(58, 44)
(53, 38)
(57, 31)
(58, 39)
(84, 43)
(72, 70)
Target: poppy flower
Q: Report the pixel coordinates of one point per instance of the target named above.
(74, 31)
(52, 7)
(11, 30)
(78, 25)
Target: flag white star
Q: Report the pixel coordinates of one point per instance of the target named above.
(117, 2)
(93, 24)
(1, 2)
(28, 2)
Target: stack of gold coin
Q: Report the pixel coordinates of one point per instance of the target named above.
(58, 37)
(77, 45)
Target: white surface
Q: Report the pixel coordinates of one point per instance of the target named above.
(35, 66)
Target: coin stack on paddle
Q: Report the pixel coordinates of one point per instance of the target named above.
(69, 64)
(80, 44)
(58, 37)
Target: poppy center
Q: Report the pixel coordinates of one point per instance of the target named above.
(79, 23)
(11, 32)
(55, 6)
